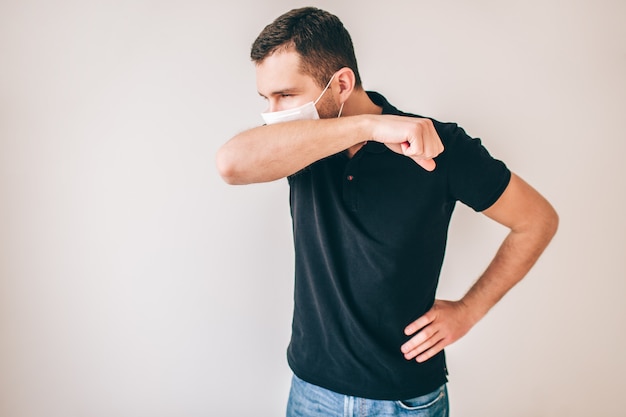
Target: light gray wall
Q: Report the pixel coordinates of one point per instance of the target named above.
(133, 282)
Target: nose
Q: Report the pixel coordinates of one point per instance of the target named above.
(272, 106)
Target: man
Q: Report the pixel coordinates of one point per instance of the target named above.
(372, 190)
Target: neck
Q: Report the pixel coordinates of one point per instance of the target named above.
(360, 103)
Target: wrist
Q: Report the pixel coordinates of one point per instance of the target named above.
(364, 128)
(473, 311)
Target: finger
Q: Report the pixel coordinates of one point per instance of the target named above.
(415, 342)
(413, 147)
(420, 344)
(428, 164)
(425, 334)
(420, 323)
(405, 146)
(431, 352)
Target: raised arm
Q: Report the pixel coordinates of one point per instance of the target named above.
(267, 153)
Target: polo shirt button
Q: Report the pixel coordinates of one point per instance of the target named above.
(350, 177)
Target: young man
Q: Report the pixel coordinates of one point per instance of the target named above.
(372, 190)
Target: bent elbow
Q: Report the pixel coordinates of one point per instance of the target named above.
(226, 164)
(553, 223)
(549, 223)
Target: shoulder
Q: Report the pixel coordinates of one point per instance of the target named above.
(447, 131)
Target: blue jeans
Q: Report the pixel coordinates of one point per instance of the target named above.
(307, 400)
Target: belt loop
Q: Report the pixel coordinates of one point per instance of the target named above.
(348, 406)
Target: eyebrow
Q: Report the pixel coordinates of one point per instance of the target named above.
(279, 92)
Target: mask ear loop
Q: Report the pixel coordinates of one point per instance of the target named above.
(325, 88)
(340, 110)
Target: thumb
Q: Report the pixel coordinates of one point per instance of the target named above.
(428, 164)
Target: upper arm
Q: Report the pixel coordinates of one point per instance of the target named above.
(521, 207)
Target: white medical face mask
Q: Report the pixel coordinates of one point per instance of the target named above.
(307, 111)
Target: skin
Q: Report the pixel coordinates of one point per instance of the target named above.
(532, 222)
(267, 153)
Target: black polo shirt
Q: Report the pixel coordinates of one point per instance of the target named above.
(370, 234)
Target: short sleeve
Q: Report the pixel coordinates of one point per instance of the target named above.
(475, 178)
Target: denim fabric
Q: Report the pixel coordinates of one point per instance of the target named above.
(307, 400)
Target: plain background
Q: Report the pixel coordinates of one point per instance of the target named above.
(134, 282)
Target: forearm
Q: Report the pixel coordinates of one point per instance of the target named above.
(448, 321)
(512, 262)
(267, 153)
(515, 257)
(533, 223)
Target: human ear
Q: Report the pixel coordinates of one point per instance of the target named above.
(346, 80)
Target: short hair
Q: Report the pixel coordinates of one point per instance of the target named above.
(319, 37)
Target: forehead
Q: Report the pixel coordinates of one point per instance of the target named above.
(281, 71)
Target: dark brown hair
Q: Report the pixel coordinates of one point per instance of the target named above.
(323, 43)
